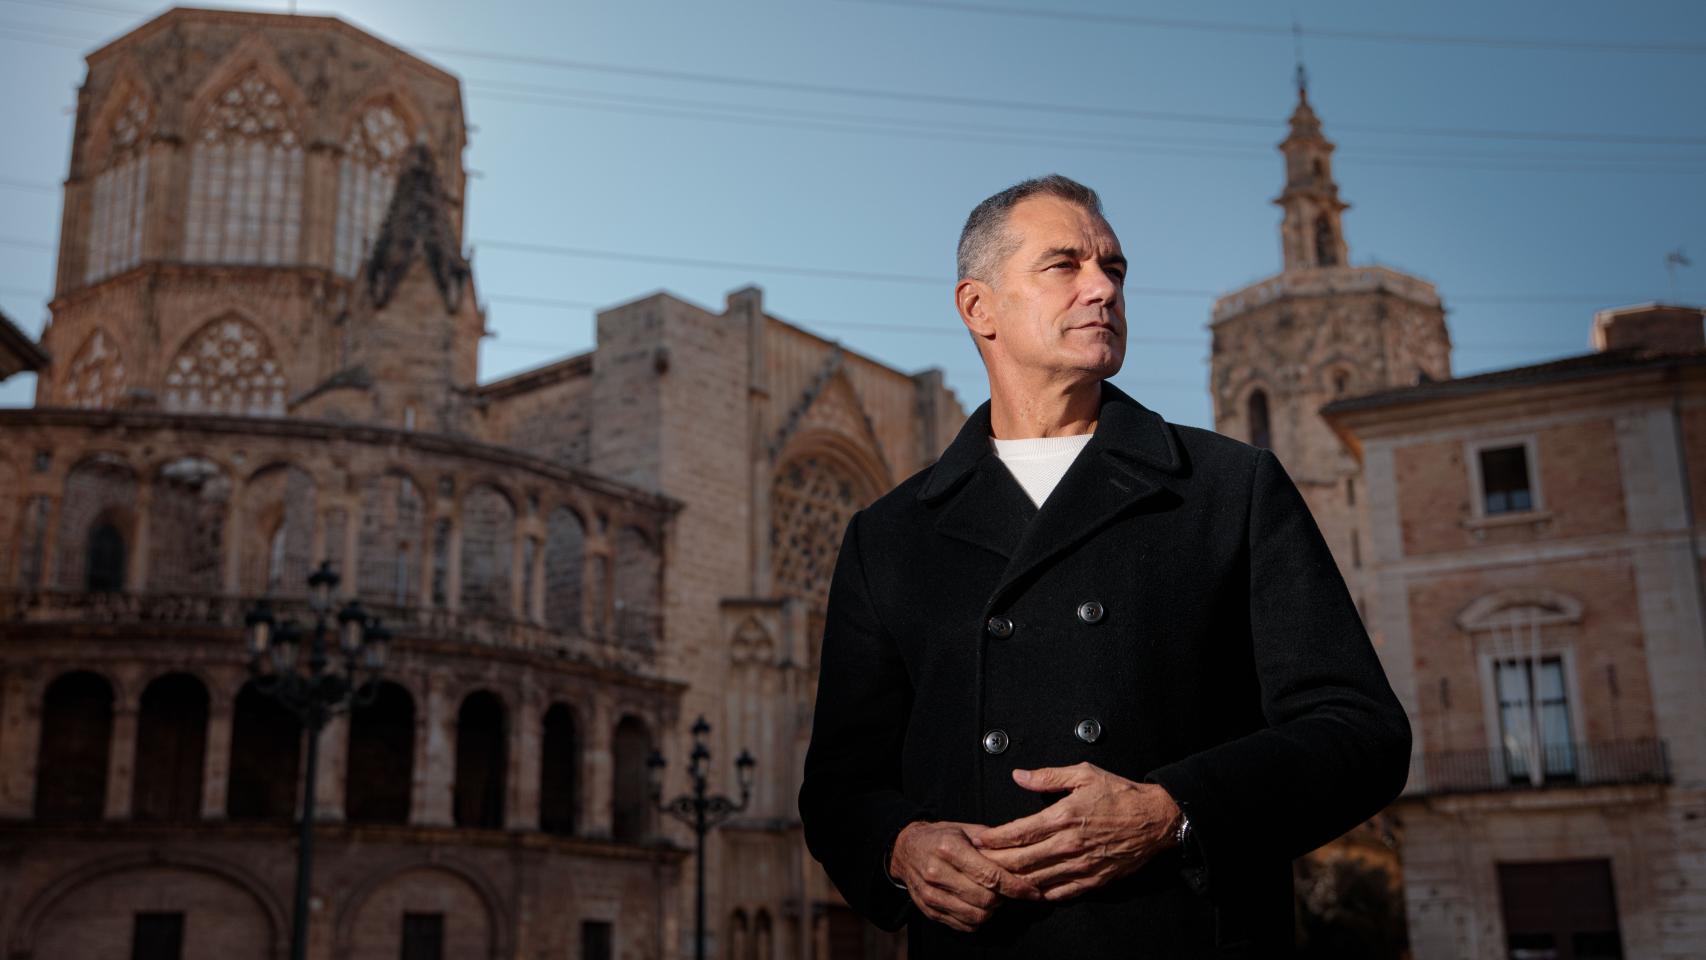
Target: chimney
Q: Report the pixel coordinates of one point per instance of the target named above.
(1655, 327)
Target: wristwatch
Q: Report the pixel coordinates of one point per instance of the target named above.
(1183, 834)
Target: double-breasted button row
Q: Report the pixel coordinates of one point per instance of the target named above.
(1088, 730)
(1000, 627)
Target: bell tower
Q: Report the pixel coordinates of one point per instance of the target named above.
(1319, 330)
(1312, 234)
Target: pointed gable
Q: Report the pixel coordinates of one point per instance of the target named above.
(416, 227)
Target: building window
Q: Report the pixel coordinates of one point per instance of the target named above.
(630, 804)
(106, 559)
(266, 744)
(559, 761)
(121, 188)
(596, 938)
(423, 936)
(96, 375)
(76, 735)
(157, 936)
(1256, 416)
(1504, 480)
(1564, 908)
(227, 367)
(373, 150)
(381, 757)
(246, 179)
(1534, 720)
(171, 745)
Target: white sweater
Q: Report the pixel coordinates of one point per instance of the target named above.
(1038, 463)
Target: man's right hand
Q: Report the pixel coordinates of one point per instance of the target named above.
(949, 879)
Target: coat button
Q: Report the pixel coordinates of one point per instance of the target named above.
(1000, 628)
(1089, 730)
(1090, 611)
(995, 741)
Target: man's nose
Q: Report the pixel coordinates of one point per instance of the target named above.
(1098, 286)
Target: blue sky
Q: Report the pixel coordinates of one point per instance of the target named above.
(1534, 160)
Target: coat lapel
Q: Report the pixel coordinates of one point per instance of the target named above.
(1111, 475)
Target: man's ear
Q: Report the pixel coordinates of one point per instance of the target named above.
(973, 298)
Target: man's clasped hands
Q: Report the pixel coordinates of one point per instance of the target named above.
(1104, 828)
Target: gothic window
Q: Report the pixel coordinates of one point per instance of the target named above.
(811, 503)
(265, 758)
(480, 761)
(227, 367)
(171, 738)
(1257, 418)
(246, 178)
(96, 377)
(488, 537)
(115, 231)
(559, 760)
(367, 173)
(1326, 252)
(76, 733)
(381, 757)
(279, 507)
(630, 800)
(96, 514)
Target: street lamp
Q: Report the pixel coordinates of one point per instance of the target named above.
(313, 697)
(701, 812)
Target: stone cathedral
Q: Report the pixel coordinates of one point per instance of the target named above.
(264, 342)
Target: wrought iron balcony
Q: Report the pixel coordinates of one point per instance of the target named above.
(1550, 767)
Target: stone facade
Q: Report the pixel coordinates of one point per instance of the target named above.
(1535, 552)
(264, 347)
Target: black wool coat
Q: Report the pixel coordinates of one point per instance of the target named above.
(1227, 664)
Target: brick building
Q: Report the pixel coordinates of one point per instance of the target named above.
(264, 344)
(1535, 552)
(1524, 548)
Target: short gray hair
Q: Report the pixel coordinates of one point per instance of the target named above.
(984, 241)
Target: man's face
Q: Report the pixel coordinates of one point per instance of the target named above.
(1058, 301)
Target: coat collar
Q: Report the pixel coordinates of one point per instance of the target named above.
(1113, 473)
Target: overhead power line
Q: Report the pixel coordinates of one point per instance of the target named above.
(1053, 108)
(1287, 31)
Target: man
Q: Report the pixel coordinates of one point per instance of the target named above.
(1093, 680)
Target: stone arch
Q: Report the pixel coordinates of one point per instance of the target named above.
(630, 807)
(379, 772)
(171, 748)
(100, 489)
(279, 507)
(75, 744)
(496, 913)
(227, 365)
(29, 927)
(739, 937)
(565, 568)
(763, 935)
(247, 152)
(814, 493)
(488, 544)
(389, 539)
(559, 773)
(96, 377)
(482, 760)
(636, 586)
(266, 758)
(190, 493)
(1256, 408)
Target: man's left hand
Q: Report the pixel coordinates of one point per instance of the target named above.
(1104, 828)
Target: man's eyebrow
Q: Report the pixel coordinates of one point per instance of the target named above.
(1076, 254)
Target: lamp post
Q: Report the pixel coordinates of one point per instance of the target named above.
(315, 695)
(700, 811)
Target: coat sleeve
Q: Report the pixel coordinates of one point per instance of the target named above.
(851, 804)
(1336, 748)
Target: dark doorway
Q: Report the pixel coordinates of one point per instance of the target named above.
(559, 760)
(381, 758)
(631, 807)
(266, 758)
(76, 735)
(171, 742)
(1560, 910)
(481, 761)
